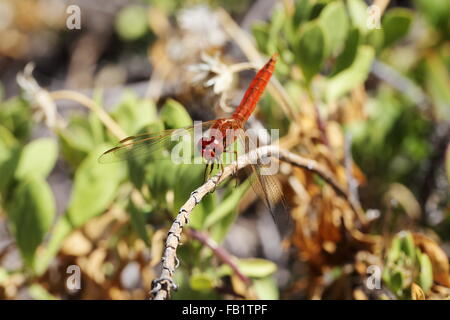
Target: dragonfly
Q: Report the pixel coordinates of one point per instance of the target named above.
(216, 138)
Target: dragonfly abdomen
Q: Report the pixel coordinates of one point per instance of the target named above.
(255, 90)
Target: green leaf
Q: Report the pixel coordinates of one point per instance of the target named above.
(38, 292)
(437, 82)
(310, 50)
(7, 138)
(394, 250)
(31, 213)
(80, 135)
(256, 267)
(289, 33)
(137, 166)
(353, 76)
(260, 32)
(227, 206)
(131, 22)
(201, 282)
(395, 24)
(94, 188)
(138, 222)
(191, 177)
(302, 11)
(436, 12)
(396, 282)
(375, 38)
(407, 245)
(15, 115)
(175, 115)
(426, 273)
(60, 231)
(276, 24)
(221, 218)
(97, 128)
(37, 158)
(335, 23)
(134, 114)
(78, 139)
(358, 13)
(266, 288)
(160, 177)
(316, 9)
(348, 55)
(9, 158)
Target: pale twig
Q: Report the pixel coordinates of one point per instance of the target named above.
(104, 117)
(44, 107)
(238, 67)
(162, 286)
(381, 4)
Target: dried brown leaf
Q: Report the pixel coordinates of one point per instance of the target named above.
(437, 256)
(417, 292)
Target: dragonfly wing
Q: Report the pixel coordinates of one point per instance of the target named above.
(267, 187)
(136, 148)
(146, 146)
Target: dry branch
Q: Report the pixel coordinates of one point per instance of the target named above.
(87, 102)
(161, 287)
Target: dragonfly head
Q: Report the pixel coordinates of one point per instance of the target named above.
(210, 148)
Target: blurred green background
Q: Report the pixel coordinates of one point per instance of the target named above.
(362, 87)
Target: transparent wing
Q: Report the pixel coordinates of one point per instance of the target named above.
(266, 186)
(153, 145)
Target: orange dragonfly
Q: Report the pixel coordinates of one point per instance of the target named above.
(220, 135)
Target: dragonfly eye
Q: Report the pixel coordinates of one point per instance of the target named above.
(211, 148)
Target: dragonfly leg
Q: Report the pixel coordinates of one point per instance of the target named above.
(221, 172)
(210, 171)
(204, 173)
(217, 181)
(235, 169)
(234, 174)
(220, 165)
